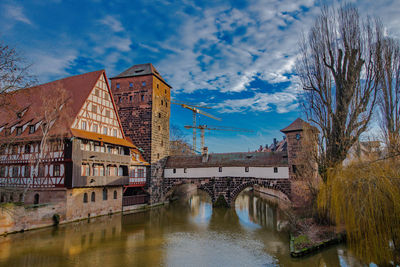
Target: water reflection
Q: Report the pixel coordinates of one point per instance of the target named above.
(188, 232)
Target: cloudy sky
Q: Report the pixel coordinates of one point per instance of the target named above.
(235, 56)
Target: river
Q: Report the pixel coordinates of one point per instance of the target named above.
(188, 232)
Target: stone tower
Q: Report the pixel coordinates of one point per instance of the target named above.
(294, 134)
(143, 100)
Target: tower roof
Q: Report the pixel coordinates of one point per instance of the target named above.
(297, 125)
(140, 70)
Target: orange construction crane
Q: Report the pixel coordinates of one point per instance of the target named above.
(195, 109)
(202, 129)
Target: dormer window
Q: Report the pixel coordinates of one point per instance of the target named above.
(31, 129)
(19, 130)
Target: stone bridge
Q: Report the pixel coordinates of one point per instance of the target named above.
(229, 187)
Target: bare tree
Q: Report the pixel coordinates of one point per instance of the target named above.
(178, 142)
(338, 73)
(389, 89)
(14, 73)
(52, 109)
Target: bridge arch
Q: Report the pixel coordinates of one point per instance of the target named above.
(274, 190)
(170, 189)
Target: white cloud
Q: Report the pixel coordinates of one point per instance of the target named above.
(16, 13)
(113, 23)
(52, 64)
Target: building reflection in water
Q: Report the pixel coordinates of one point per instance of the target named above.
(256, 211)
(187, 232)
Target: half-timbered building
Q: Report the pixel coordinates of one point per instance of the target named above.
(63, 141)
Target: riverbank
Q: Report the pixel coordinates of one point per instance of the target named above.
(16, 218)
(310, 237)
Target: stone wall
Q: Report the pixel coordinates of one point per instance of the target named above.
(160, 120)
(294, 148)
(134, 106)
(77, 209)
(15, 218)
(156, 182)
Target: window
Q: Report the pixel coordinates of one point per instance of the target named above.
(94, 108)
(118, 86)
(108, 114)
(219, 169)
(56, 171)
(157, 86)
(165, 91)
(159, 127)
(15, 171)
(83, 125)
(27, 171)
(166, 104)
(246, 169)
(27, 149)
(294, 168)
(174, 170)
(105, 130)
(140, 173)
(130, 98)
(162, 103)
(185, 170)
(159, 114)
(85, 199)
(19, 130)
(275, 169)
(142, 98)
(143, 83)
(14, 149)
(95, 128)
(115, 194)
(85, 170)
(2, 171)
(36, 199)
(93, 197)
(41, 170)
(105, 194)
(131, 84)
(115, 132)
(31, 129)
(96, 92)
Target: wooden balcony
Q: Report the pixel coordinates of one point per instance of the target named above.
(105, 157)
(89, 181)
(134, 200)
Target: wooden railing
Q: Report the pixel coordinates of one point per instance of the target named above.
(134, 200)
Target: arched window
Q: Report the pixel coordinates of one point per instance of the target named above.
(93, 197)
(105, 194)
(85, 198)
(115, 194)
(36, 199)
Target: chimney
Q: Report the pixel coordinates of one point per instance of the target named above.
(204, 154)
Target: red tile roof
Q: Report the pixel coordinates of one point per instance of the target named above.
(33, 100)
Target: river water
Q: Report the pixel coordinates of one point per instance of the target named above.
(188, 232)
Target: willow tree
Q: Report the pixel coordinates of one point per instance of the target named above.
(365, 198)
(389, 90)
(339, 77)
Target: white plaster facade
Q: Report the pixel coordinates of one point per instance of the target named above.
(256, 172)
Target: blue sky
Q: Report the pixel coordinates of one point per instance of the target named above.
(236, 56)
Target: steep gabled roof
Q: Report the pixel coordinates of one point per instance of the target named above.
(26, 107)
(140, 70)
(297, 125)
